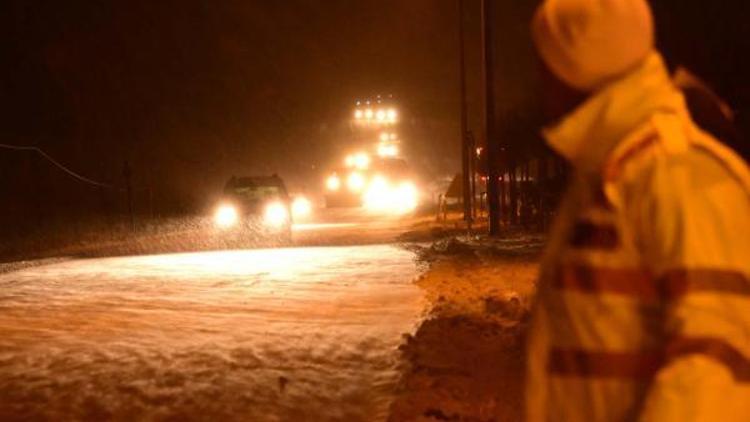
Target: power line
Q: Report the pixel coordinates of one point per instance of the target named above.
(57, 164)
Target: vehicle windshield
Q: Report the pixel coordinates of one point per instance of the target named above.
(255, 193)
(392, 167)
(255, 189)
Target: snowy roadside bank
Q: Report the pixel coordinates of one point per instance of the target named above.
(466, 359)
(286, 334)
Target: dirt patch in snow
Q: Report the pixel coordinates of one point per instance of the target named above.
(466, 361)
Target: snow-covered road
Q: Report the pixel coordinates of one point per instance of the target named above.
(268, 334)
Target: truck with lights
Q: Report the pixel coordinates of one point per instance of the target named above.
(376, 177)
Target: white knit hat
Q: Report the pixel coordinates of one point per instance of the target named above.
(587, 43)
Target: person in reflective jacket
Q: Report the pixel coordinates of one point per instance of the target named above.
(643, 305)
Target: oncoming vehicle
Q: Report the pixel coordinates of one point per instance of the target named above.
(344, 188)
(255, 205)
(376, 178)
(391, 188)
(384, 185)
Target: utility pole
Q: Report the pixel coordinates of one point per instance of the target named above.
(490, 133)
(466, 168)
(472, 145)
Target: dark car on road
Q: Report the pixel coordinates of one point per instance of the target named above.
(258, 205)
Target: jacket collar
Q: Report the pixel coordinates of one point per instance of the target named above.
(587, 135)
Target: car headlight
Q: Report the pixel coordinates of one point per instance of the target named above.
(356, 182)
(407, 197)
(361, 160)
(301, 207)
(276, 214)
(392, 115)
(383, 197)
(333, 183)
(225, 216)
(377, 196)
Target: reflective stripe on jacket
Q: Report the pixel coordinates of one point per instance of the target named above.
(643, 307)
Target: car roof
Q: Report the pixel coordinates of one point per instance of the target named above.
(255, 181)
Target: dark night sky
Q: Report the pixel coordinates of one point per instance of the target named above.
(188, 85)
(191, 91)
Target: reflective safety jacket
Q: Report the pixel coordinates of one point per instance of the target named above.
(643, 305)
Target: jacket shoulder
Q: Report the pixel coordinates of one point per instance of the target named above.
(670, 141)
